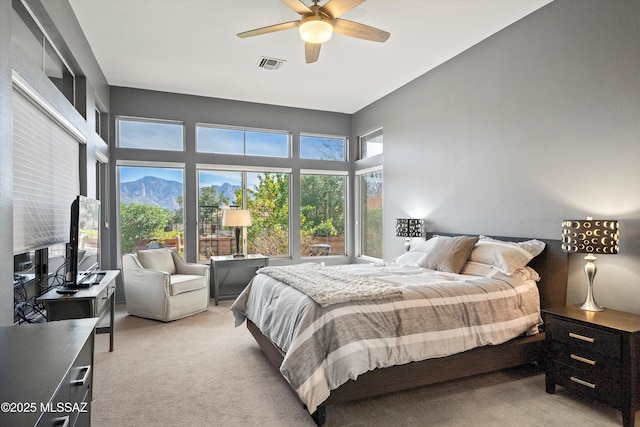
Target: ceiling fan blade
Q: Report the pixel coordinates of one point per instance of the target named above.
(269, 29)
(297, 6)
(336, 8)
(361, 31)
(311, 52)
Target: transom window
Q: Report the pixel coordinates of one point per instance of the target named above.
(371, 144)
(150, 134)
(318, 147)
(242, 142)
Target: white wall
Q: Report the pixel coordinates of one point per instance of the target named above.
(538, 123)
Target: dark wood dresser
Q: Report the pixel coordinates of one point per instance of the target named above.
(595, 353)
(46, 373)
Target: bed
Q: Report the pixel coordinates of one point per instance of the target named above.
(393, 369)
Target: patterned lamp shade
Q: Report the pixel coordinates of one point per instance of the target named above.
(407, 227)
(591, 236)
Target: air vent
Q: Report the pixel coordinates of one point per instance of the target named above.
(270, 63)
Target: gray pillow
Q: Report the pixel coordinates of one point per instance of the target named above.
(448, 253)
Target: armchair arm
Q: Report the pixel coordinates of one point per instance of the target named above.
(189, 268)
(141, 284)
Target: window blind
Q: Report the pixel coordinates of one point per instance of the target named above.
(46, 176)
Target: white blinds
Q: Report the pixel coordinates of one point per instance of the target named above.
(45, 176)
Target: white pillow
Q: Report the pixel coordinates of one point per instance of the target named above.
(506, 257)
(419, 244)
(411, 258)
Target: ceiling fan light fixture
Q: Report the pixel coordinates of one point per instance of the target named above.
(316, 31)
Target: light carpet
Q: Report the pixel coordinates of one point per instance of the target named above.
(201, 371)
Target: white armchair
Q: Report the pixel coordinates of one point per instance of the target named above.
(159, 285)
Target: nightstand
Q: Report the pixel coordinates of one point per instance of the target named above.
(233, 273)
(595, 353)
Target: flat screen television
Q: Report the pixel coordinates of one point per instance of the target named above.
(83, 249)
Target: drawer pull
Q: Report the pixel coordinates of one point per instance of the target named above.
(581, 337)
(583, 359)
(84, 378)
(583, 382)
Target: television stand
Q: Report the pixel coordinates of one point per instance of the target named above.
(92, 301)
(90, 279)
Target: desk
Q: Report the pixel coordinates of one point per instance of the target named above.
(46, 372)
(241, 270)
(87, 302)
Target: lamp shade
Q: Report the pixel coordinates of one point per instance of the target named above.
(236, 218)
(591, 236)
(408, 227)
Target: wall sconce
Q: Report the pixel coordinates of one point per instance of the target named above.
(407, 228)
(237, 218)
(591, 237)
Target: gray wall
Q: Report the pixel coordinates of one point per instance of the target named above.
(538, 123)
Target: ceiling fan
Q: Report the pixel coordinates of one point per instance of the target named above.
(319, 22)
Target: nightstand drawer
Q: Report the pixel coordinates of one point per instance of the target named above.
(595, 363)
(586, 382)
(584, 338)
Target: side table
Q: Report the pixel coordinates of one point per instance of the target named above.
(94, 301)
(595, 353)
(233, 273)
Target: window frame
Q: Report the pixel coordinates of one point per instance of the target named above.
(359, 211)
(327, 172)
(121, 118)
(155, 165)
(364, 138)
(245, 170)
(244, 130)
(345, 148)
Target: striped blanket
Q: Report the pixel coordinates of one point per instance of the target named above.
(438, 314)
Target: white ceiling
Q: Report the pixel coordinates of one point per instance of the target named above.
(191, 47)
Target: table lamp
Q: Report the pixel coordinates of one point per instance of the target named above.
(407, 228)
(590, 236)
(237, 218)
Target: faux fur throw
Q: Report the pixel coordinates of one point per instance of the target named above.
(327, 286)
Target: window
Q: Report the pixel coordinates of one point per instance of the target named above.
(242, 142)
(370, 221)
(217, 190)
(150, 135)
(322, 147)
(267, 197)
(322, 212)
(371, 144)
(27, 32)
(151, 208)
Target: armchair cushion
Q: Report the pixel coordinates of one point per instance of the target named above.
(157, 259)
(181, 283)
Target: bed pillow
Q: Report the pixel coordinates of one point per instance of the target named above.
(506, 257)
(410, 258)
(448, 253)
(419, 244)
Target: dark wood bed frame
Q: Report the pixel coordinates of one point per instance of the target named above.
(551, 264)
